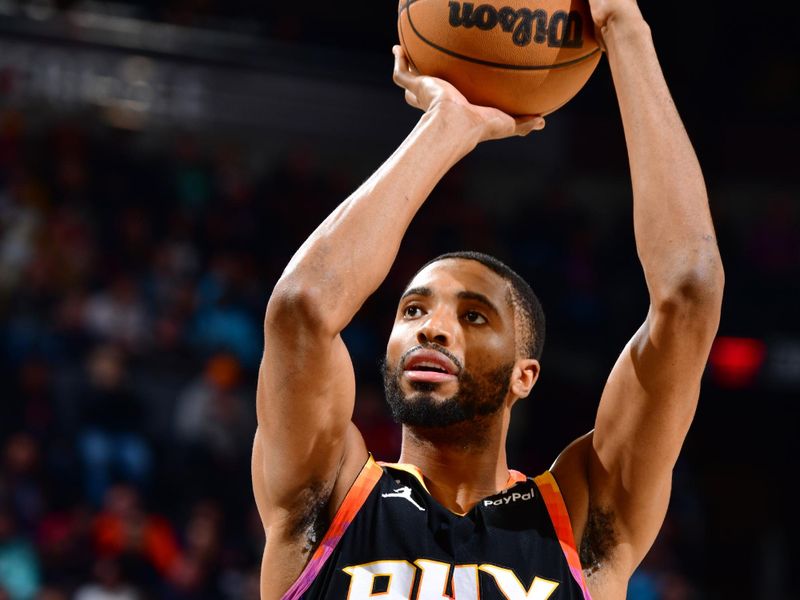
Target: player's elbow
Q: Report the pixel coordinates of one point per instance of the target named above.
(694, 293)
(297, 306)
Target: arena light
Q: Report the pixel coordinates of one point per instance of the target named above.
(736, 362)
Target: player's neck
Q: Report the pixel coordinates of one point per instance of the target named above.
(457, 473)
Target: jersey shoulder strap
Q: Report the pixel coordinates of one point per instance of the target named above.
(370, 473)
(551, 494)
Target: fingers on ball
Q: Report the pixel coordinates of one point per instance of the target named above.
(527, 124)
(401, 75)
(411, 98)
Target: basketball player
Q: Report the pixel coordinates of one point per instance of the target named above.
(450, 520)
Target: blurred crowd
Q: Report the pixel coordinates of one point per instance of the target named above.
(132, 286)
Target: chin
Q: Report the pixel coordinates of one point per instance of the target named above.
(424, 387)
(448, 387)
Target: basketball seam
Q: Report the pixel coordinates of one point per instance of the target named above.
(403, 5)
(403, 42)
(488, 63)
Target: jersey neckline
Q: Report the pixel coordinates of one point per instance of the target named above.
(514, 478)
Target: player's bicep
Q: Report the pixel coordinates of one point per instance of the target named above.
(305, 399)
(644, 415)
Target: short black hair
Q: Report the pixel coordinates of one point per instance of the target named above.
(527, 308)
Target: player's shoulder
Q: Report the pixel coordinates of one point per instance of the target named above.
(571, 474)
(572, 465)
(355, 459)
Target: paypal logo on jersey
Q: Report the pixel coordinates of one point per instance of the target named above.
(394, 580)
(509, 498)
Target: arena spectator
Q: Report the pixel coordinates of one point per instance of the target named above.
(21, 475)
(197, 575)
(223, 322)
(113, 418)
(212, 414)
(117, 314)
(19, 565)
(66, 548)
(108, 584)
(145, 542)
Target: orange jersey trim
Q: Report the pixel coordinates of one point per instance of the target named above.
(560, 518)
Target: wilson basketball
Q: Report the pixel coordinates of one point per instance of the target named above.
(525, 57)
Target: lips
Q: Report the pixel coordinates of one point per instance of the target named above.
(429, 366)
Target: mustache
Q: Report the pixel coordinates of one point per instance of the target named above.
(436, 348)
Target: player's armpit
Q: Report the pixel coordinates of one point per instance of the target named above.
(594, 526)
(305, 399)
(644, 415)
(294, 529)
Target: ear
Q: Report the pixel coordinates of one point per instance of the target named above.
(526, 372)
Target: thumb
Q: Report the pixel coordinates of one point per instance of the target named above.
(524, 125)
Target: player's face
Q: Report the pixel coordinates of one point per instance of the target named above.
(452, 350)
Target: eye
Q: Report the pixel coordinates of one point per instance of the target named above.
(474, 317)
(411, 311)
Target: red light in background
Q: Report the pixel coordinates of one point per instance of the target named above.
(736, 362)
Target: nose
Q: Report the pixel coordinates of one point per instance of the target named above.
(436, 329)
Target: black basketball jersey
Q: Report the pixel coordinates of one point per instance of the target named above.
(392, 540)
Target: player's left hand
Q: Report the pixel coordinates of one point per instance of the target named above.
(606, 11)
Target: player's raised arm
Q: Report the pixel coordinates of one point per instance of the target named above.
(305, 439)
(651, 395)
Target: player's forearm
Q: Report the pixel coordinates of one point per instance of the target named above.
(351, 252)
(674, 233)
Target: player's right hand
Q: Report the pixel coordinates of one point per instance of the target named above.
(428, 93)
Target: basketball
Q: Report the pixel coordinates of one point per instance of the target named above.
(525, 57)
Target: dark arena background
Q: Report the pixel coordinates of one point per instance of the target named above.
(161, 161)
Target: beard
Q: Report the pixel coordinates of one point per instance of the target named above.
(477, 396)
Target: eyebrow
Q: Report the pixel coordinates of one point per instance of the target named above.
(465, 295)
(417, 291)
(475, 296)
